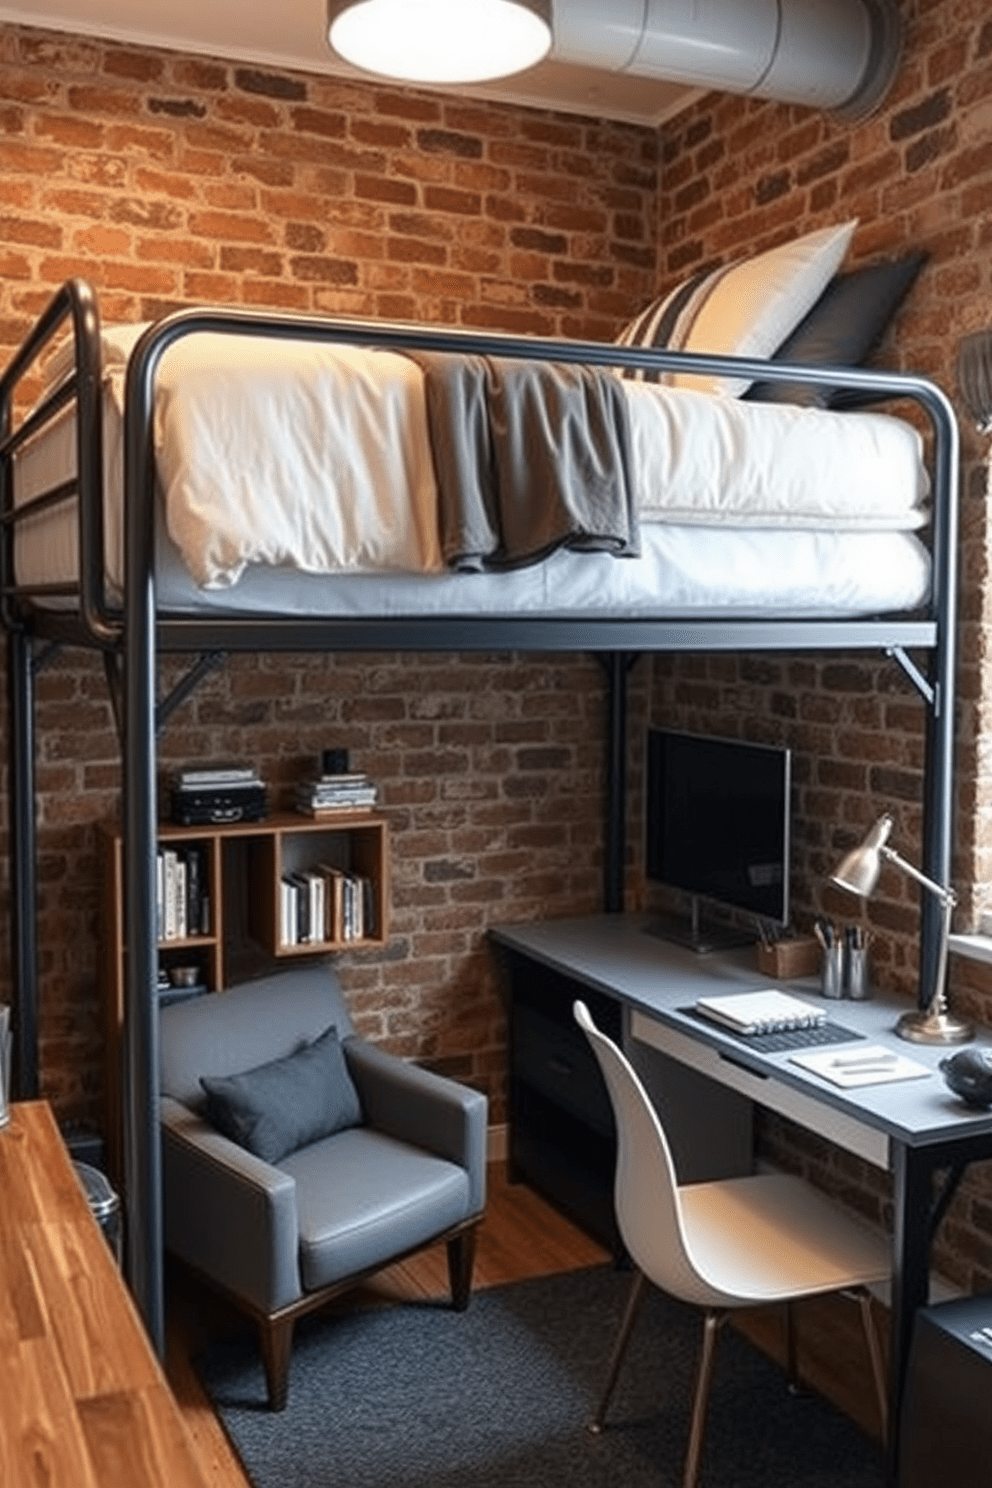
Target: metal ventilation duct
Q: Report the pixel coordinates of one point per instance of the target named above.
(830, 54)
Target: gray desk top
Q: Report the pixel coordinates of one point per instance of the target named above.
(616, 954)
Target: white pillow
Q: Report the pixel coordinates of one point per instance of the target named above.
(746, 308)
(116, 345)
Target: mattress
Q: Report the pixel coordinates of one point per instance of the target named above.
(297, 478)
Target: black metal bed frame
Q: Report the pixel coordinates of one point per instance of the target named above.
(130, 639)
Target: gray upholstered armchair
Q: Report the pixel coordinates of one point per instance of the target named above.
(281, 1231)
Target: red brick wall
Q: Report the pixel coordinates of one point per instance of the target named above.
(740, 175)
(167, 179)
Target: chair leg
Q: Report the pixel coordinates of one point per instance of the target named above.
(634, 1300)
(791, 1353)
(875, 1355)
(276, 1339)
(713, 1322)
(461, 1259)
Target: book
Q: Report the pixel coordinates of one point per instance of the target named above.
(288, 911)
(341, 808)
(767, 1011)
(221, 775)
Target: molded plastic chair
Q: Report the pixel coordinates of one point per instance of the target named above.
(735, 1242)
(281, 1238)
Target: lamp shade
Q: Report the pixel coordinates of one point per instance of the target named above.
(858, 871)
(440, 41)
(974, 377)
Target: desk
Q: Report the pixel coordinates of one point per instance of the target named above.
(83, 1402)
(917, 1130)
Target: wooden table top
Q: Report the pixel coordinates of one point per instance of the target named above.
(83, 1400)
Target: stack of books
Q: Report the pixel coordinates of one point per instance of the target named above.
(325, 903)
(327, 795)
(182, 894)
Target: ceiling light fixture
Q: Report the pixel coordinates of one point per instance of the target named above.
(440, 41)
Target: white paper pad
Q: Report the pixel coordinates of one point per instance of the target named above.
(863, 1064)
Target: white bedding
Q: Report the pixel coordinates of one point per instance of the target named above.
(280, 462)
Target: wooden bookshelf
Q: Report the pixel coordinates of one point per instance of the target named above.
(241, 866)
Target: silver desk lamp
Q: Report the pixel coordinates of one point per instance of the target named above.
(858, 874)
(974, 377)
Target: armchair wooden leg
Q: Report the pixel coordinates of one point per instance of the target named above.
(461, 1259)
(276, 1338)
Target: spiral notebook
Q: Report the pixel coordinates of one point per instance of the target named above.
(768, 1011)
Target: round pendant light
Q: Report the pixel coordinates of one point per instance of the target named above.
(440, 41)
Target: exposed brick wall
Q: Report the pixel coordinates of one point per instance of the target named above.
(742, 174)
(168, 179)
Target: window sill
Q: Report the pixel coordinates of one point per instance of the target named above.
(975, 947)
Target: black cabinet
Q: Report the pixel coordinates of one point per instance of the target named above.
(562, 1138)
(946, 1433)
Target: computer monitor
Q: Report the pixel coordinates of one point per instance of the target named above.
(717, 829)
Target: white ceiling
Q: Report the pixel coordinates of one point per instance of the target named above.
(292, 34)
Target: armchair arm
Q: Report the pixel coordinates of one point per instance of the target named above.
(418, 1106)
(228, 1213)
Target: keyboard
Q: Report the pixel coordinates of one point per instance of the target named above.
(785, 1039)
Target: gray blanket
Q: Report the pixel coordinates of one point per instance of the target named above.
(529, 457)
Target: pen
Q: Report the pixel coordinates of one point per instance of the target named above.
(862, 1061)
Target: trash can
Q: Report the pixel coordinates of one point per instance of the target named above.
(105, 1206)
(946, 1434)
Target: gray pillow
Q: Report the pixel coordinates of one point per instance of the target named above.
(277, 1108)
(842, 330)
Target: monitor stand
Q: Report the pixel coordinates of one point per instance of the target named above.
(698, 934)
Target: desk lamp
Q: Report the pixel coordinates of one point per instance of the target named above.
(974, 377)
(858, 874)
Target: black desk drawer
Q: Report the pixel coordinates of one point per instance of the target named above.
(559, 1063)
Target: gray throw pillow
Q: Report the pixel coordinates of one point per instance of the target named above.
(842, 330)
(277, 1108)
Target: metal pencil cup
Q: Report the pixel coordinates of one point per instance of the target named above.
(856, 973)
(832, 971)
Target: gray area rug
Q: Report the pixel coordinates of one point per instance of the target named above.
(418, 1396)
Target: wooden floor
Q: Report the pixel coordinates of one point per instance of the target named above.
(520, 1237)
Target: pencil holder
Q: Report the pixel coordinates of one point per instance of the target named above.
(856, 973)
(789, 959)
(832, 971)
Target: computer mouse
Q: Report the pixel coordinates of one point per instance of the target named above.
(969, 1074)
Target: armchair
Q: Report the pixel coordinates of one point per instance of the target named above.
(282, 1232)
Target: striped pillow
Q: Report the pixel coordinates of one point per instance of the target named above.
(746, 308)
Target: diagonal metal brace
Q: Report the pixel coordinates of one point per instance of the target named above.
(942, 1199)
(164, 710)
(210, 661)
(929, 693)
(41, 657)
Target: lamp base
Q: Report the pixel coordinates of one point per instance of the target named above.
(934, 1026)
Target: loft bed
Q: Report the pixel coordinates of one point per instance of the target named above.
(151, 606)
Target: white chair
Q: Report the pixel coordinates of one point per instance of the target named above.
(735, 1242)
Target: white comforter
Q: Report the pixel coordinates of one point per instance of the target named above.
(317, 457)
